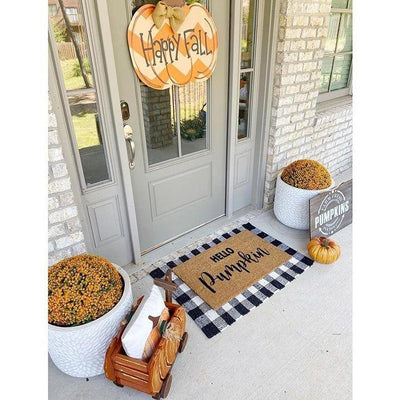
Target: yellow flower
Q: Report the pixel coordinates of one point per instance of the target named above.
(81, 289)
(307, 174)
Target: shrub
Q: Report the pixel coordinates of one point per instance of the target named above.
(307, 174)
(76, 69)
(81, 289)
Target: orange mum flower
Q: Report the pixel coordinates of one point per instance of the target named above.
(81, 289)
(307, 174)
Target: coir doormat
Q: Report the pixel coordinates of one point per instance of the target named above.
(284, 265)
(222, 272)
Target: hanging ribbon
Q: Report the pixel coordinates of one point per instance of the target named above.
(176, 16)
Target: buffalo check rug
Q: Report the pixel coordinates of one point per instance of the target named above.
(212, 322)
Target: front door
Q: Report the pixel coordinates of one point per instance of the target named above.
(179, 135)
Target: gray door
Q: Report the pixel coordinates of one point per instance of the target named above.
(180, 138)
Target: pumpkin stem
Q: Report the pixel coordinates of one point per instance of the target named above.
(324, 242)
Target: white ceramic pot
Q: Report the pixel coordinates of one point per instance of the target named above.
(291, 204)
(79, 350)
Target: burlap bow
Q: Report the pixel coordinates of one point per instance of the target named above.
(176, 15)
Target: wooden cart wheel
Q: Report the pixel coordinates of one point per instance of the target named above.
(166, 386)
(117, 384)
(183, 342)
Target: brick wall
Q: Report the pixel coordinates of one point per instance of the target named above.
(297, 129)
(64, 226)
(156, 106)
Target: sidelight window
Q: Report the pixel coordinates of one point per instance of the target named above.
(85, 119)
(246, 66)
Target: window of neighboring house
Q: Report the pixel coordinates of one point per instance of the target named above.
(337, 61)
(72, 13)
(52, 10)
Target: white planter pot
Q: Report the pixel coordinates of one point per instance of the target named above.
(79, 350)
(291, 205)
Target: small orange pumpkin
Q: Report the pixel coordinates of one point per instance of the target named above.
(323, 250)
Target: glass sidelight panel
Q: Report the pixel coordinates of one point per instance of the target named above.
(76, 68)
(246, 67)
(247, 34)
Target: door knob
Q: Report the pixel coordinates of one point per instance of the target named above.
(128, 132)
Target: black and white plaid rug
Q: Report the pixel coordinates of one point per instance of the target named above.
(212, 322)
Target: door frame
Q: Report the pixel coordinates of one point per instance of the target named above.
(99, 34)
(267, 23)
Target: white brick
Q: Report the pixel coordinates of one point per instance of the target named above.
(52, 137)
(316, 21)
(313, 44)
(309, 33)
(63, 214)
(293, 33)
(55, 154)
(298, 45)
(302, 77)
(288, 80)
(59, 170)
(79, 248)
(306, 56)
(52, 203)
(69, 240)
(66, 198)
(300, 20)
(295, 68)
(292, 89)
(73, 224)
(59, 185)
(52, 121)
(56, 230)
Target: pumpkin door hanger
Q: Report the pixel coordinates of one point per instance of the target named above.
(175, 46)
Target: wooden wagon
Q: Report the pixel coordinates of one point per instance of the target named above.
(152, 377)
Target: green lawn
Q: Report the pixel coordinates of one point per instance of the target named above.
(71, 81)
(85, 130)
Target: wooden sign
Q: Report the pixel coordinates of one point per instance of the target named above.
(331, 211)
(182, 49)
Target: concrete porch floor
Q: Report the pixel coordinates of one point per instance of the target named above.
(297, 345)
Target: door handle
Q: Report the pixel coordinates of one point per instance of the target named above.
(128, 132)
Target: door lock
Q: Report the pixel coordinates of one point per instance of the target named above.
(125, 110)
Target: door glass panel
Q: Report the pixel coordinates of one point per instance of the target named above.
(175, 119)
(74, 58)
(245, 84)
(246, 67)
(247, 33)
(193, 117)
(159, 127)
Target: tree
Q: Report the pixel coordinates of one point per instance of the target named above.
(75, 44)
